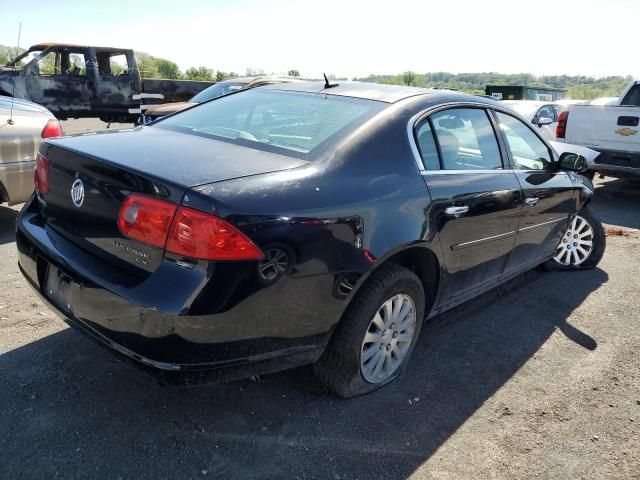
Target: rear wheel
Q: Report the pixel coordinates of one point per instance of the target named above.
(374, 340)
(582, 245)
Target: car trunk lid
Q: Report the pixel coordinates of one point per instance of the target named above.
(91, 175)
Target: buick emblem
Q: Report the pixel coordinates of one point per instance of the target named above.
(77, 192)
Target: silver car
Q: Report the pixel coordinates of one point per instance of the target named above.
(23, 125)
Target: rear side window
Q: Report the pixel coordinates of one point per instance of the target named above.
(528, 152)
(112, 63)
(633, 97)
(427, 147)
(279, 121)
(466, 139)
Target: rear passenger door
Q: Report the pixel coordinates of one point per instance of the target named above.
(476, 198)
(548, 193)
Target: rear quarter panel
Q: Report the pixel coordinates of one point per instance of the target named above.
(343, 214)
(19, 144)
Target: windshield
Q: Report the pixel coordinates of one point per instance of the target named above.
(278, 121)
(217, 90)
(24, 58)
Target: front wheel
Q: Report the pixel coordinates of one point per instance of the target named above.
(376, 335)
(582, 245)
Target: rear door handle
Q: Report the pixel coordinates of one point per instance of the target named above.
(457, 212)
(531, 201)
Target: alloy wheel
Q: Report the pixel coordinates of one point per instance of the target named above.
(274, 264)
(388, 338)
(576, 244)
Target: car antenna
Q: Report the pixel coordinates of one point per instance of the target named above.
(327, 84)
(13, 94)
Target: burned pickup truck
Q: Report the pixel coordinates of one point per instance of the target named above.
(75, 81)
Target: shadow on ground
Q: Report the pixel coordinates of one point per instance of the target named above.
(71, 409)
(617, 202)
(7, 225)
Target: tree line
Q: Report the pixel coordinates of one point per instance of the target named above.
(577, 86)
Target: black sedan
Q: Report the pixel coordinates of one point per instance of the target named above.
(297, 224)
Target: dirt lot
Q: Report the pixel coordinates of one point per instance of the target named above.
(540, 379)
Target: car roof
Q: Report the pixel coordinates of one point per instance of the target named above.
(45, 45)
(533, 103)
(365, 90)
(19, 104)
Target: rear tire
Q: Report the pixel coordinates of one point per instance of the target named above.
(376, 327)
(584, 228)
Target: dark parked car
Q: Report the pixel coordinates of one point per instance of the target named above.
(296, 224)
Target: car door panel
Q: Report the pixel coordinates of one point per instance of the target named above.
(477, 244)
(544, 221)
(548, 193)
(476, 203)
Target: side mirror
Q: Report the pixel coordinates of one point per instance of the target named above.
(544, 121)
(573, 162)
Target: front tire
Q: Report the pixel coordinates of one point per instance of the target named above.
(375, 337)
(582, 245)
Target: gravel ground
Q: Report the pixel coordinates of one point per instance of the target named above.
(537, 380)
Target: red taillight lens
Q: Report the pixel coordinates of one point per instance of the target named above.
(41, 174)
(561, 129)
(183, 230)
(200, 235)
(52, 129)
(146, 219)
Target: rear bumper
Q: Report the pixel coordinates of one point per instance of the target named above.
(249, 337)
(617, 163)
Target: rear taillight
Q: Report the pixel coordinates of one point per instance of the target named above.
(561, 129)
(52, 129)
(41, 174)
(146, 219)
(201, 235)
(183, 230)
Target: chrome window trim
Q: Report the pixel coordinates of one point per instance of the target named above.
(467, 172)
(411, 124)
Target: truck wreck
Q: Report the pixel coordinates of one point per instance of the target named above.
(75, 81)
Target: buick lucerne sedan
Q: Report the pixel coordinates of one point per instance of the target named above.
(294, 224)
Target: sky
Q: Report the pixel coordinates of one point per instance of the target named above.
(348, 38)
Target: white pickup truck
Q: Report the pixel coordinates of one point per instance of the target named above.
(612, 130)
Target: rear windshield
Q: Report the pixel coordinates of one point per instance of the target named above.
(292, 123)
(217, 90)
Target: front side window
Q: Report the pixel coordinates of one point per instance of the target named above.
(528, 152)
(283, 122)
(546, 112)
(466, 139)
(112, 63)
(49, 64)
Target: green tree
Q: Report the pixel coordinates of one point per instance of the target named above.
(168, 69)
(200, 73)
(293, 73)
(408, 78)
(147, 65)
